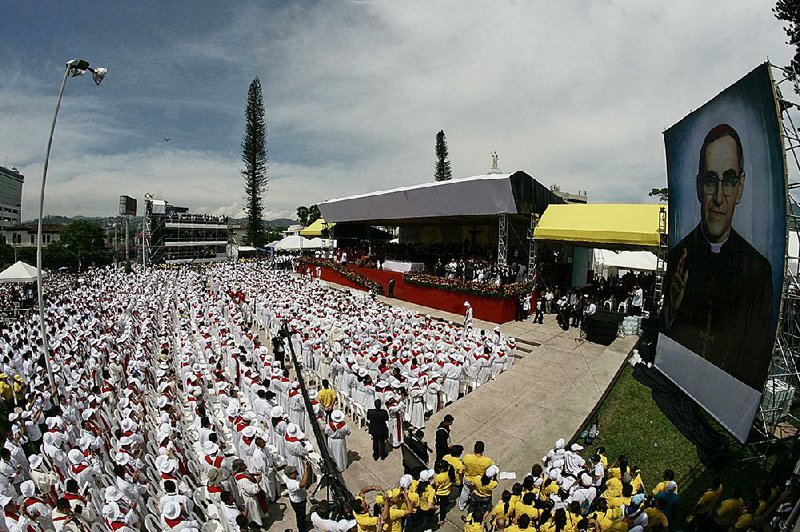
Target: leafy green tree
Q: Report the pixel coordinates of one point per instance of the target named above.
(302, 215)
(789, 12)
(85, 241)
(314, 214)
(443, 172)
(6, 256)
(254, 157)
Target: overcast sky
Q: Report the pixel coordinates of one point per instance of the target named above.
(575, 93)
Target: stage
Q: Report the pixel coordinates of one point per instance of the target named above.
(491, 309)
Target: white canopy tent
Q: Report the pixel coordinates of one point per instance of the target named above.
(20, 272)
(624, 260)
(296, 242)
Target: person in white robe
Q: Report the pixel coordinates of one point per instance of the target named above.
(337, 432)
(395, 406)
(251, 493)
(416, 396)
(262, 463)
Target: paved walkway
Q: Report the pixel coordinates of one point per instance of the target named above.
(547, 394)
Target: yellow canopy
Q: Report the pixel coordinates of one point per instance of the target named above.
(611, 226)
(316, 228)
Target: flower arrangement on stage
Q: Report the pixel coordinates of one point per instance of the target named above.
(468, 287)
(344, 271)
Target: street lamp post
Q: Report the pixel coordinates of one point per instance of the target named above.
(73, 68)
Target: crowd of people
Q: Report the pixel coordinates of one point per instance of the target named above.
(175, 407)
(168, 412)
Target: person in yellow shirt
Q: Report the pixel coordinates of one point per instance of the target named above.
(400, 507)
(601, 452)
(443, 484)
(473, 522)
(705, 505)
(523, 523)
(20, 388)
(601, 514)
(669, 476)
(549, 487)
(5, 389)
(636, 480)
(425, 507)
(729, 509)
(527, 507)
(475, 465)
(558, 523)
(482, 488)
(624, 499)
(503, 509)
(619, 468)
(327, 398)
(454, 459)
(365, 521)
(613, 489)
(656, 516)
(529, 482)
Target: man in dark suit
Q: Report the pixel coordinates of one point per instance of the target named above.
(718, 287)
(378, 429)
(443, 437)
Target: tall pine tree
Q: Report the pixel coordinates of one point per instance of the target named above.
(254, 157)
(789, 12)
(443, 172)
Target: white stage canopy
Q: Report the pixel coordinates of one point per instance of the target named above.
(439, 201)
(627, 260)
(296, 242)
(19, 272)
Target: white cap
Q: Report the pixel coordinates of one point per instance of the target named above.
(27, 488)
(492, 471)
(337, 416)
(426, 475)
(277, 411)
(560, 443)
(249, 431)
(576, 447)
(405, 481)
(292, 429)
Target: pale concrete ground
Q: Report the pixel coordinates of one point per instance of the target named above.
(547, 394)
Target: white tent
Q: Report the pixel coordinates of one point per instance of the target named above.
(19, 272)
(626, 260)
(291, 243)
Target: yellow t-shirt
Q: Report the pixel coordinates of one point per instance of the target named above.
(327, 397)
(656, 517)
(457, 464)
(613, 489)
(523, 509)
(479, 489)
(366, 523)
(661, 486)
(615, 472)
(744, 522)
(472, 526)
(636, 483)
(427, 500)
(395, 523)
(546, 491)
(619, 502)
(728, 511)
(604, 461)
(476, 465)
(442, 484)
(604, 519)
(499, 511)
(707, 501)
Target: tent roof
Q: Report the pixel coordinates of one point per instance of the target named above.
(609, 226)
(316, 228)
(629, 260)
(455, 201)
(19, 272)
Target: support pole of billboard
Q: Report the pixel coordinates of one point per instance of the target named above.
(533, 249)
(127, 252)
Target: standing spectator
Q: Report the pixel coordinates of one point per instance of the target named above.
(443, 437)
(378, 430)
(297, 492)
(390, 291)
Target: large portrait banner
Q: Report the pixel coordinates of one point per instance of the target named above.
(726, 174)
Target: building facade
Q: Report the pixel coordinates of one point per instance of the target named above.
(11, 182)
(24, 236)
(178, 236)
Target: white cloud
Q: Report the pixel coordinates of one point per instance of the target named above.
(573, 93)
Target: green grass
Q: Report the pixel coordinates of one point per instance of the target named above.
(631, 423)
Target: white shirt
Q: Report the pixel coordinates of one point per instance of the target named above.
(296, 493)
(323, 525)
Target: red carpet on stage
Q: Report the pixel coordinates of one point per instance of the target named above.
(497, 310)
